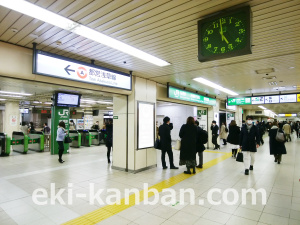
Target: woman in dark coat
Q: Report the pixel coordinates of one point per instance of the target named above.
(276, 148)
(200, 146)
(188, 135)
(234, 137)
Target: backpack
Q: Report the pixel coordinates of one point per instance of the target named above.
(204, 136)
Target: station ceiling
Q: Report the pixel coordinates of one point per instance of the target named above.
(168, 30)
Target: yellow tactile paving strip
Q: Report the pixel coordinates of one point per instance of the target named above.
(110, 210)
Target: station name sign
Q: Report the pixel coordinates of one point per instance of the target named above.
(48, 64)
(184, 95)
(270, 99)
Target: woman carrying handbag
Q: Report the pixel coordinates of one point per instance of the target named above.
(277, 147)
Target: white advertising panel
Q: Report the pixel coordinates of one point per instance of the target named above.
(271, 99)
(146, 127)
(67, 69)
(288, 98)
(258, 100)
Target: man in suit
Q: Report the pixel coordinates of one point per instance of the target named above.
(164, 132)
(214, 130)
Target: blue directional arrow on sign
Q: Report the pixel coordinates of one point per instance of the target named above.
(69, 70)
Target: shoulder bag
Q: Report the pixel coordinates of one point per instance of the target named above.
(280, 136)
(67, 139)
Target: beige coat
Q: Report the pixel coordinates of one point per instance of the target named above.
(287, 128)
(223, 133)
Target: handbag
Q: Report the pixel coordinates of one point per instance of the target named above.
(240, 156)
(280, 136)
(178, 144)
(67, 139)
(157, 144)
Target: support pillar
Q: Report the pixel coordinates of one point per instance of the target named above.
(11, 118)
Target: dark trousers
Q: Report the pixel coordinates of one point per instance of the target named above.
(61, 149)
(277, 157)
(297, 132)
(108, 153)
(214, 141)
(200, 158)
(261, 139)
(163, 157)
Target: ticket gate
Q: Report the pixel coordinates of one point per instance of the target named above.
(19, 142)
(86, 138)
(95, 137)
(36, 141)
(76, 138)
(5, 143)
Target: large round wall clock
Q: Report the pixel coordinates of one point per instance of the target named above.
(226, 34)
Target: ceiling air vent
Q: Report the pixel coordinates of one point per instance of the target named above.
(265, 71)
(269, 78)
(258, 112)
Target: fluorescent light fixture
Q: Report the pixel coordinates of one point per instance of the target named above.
(14, 93)
(48, 103)
(262, 107)
(15, 96)
(213, 85)
(109, 107)
(39, 13)
(2, 99)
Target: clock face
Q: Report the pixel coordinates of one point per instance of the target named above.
(224, 36)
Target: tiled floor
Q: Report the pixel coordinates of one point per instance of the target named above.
(21, 175)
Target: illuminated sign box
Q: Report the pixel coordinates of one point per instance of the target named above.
(179, 94)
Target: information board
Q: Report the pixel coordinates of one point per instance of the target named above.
(271, 99)
(146, 124)
(239, 101)
(184, 95)
(288, 98)
(258, 100)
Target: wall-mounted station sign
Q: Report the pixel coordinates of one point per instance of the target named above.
(48, 64)
(184, 95)
(259, 100)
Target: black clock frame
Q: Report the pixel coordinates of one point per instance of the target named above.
(246, 50)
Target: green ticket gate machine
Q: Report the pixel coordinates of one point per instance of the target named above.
(76, 138)
(36, 141)
(5, 143)
(86, 138)
(19, 142)
(94, 137)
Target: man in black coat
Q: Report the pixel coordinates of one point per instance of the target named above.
(249, 142)
(214, 130)
(164, 132)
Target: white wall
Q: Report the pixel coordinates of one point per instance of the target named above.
(178, 115)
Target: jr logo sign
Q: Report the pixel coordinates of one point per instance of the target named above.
(65, 112)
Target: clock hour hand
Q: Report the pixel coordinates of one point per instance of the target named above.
(225, 39)
(221, 32)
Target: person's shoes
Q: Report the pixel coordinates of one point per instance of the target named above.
(251, 167)
(165, 167)
(187, 172)
(61, 161)
(108, 161)
(246, 172)
(278, 162)
(194, 170)
(275, 160)
(174, 168)
(199, 166)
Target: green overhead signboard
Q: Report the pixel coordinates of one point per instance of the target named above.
(184, 95)
(239, 101)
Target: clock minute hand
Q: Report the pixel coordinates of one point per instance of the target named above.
(221, 32)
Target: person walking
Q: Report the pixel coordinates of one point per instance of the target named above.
(60, 137)
(249, 142)
(109, 138)
(276, 148)
(214, 130)
(31, 127)
(287, 131)
(164, 131)
(200, 143)
(296, 127)
(223, 133)
(234, 137)
(188, 135)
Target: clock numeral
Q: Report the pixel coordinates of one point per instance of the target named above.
(237, 24)
(216, 48)
(208, 46)
(223, 49)
(223, 20)
(238, 40)
(230, 20)
(205, 39)
(230, 47)
(241, 31)
(210, 31)
(216, 24)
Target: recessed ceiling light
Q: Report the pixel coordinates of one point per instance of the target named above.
(33, 36)
(14, 93)
(213, 85)
(42, 14)
(14, 30)
(2, 99)
(291, 67)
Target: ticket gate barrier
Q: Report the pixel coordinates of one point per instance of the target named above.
(76, 138)
(95, 137)
(5, 143)
(86, 138)
(19, 142)
(36, 141)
